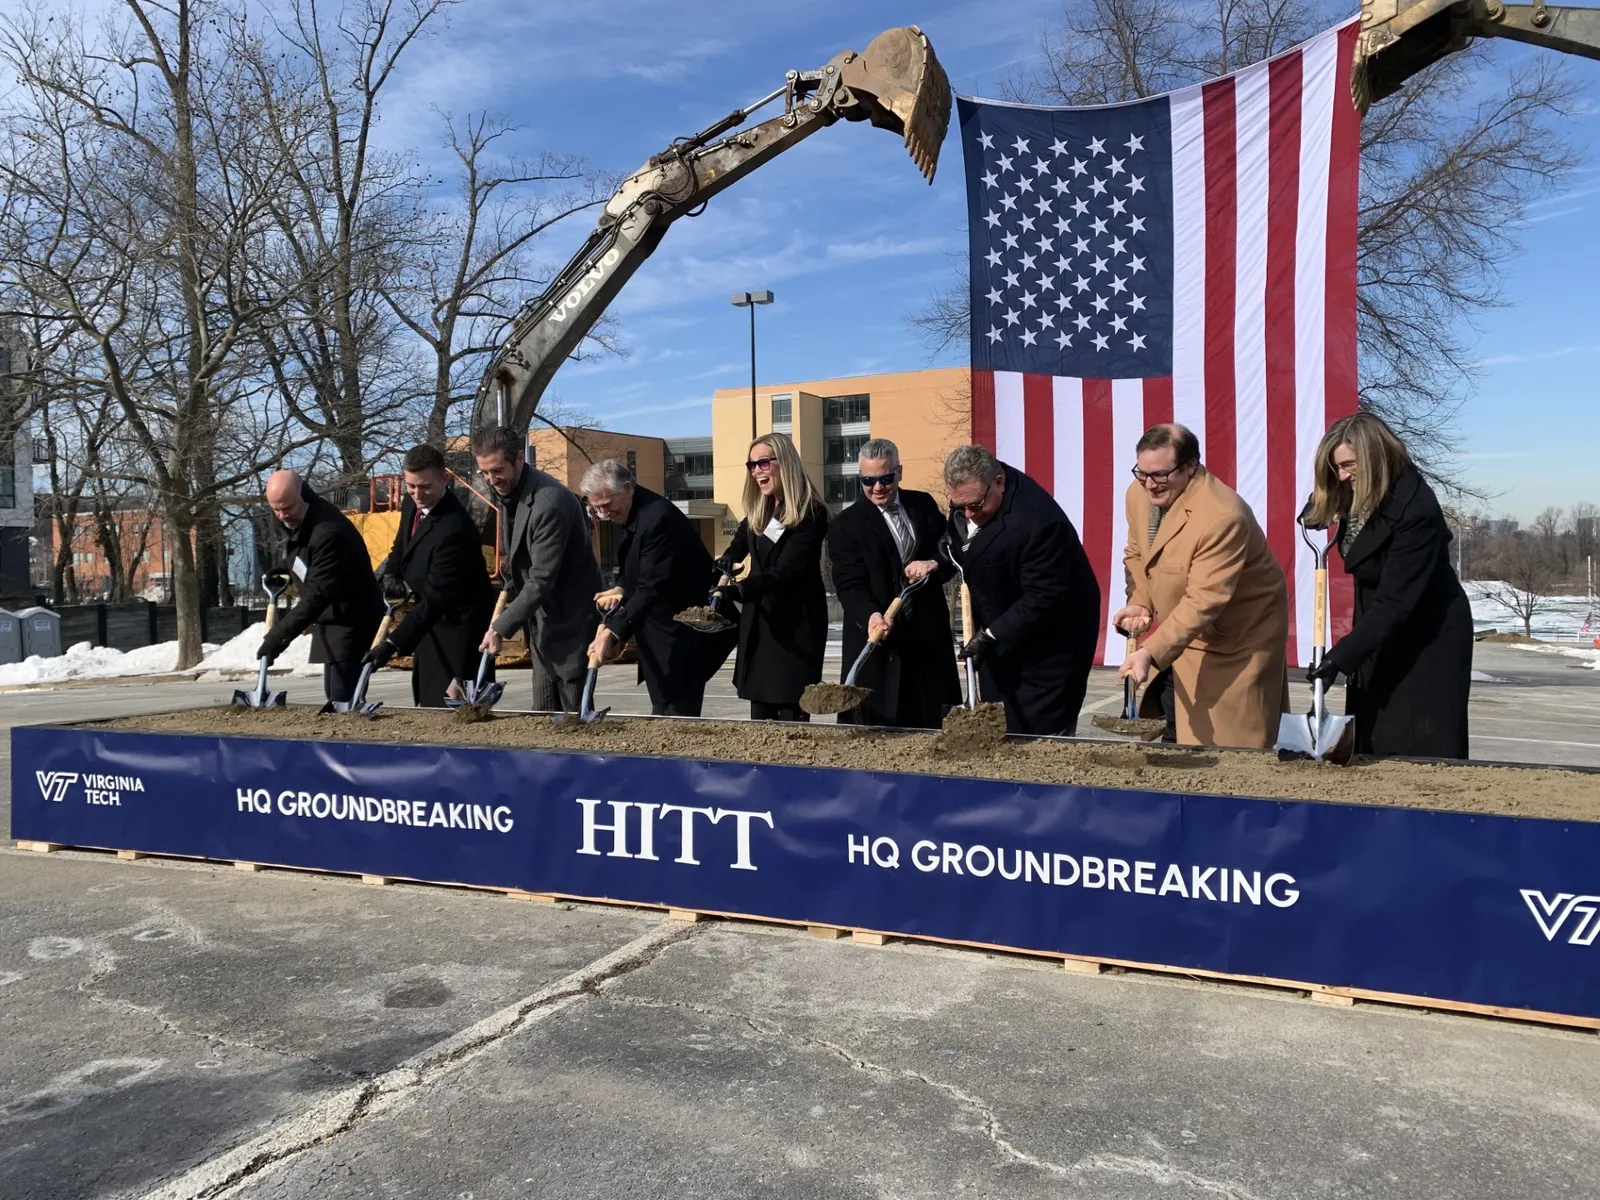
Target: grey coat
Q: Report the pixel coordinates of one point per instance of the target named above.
(549, 560)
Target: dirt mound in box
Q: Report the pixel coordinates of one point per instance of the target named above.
(1526, 792)
(972, 731)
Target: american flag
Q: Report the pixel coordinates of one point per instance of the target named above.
(1189, 257)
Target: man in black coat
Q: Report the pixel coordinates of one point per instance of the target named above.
(877, 546)
(1035, 600)
(438, 556)
(665, 569)
(339, 598)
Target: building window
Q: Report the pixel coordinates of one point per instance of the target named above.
(693, 464)
(841, 489)
(847, 410)
(8, 487)
(633, 464)
(782, 411)
(843, 448)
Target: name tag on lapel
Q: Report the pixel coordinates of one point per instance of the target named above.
(774, 530)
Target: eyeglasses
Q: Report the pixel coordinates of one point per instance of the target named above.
(1156, 476)
(976, 506)
(870, 481)
(760, 464)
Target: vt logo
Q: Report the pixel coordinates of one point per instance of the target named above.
(1552, 915)
(53, 784)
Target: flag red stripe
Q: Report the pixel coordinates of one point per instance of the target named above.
(1039, 422)
(1157, 400)
(1099, 492)
(1344, 184)
(1222, 193)
(983, 408)
(1283, 211)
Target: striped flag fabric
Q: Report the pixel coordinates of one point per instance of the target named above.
(1189, 257)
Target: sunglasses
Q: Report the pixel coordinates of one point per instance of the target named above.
(976, 506)
(868, 481)
(760, 464)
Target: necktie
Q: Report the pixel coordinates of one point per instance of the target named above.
(416, 520)
(904, 539)
(1155, 521)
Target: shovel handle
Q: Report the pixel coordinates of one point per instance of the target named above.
(966, 612)
(383, 627)
(1319, 610)
(889, 615)
(500, 606)
(594, 662)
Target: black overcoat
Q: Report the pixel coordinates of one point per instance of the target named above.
(665, 569)
(444, 568)
(912, 673)
(1409, 653)
(783, 614)
(339, 600)
(1034, 590)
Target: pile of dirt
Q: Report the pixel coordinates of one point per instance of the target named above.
(972, 732)
(1513, 791)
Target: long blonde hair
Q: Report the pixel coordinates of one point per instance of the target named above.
(799, 494)
(1380, 458)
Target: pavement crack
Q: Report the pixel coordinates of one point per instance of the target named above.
(343, 1111)
(1121, 1164)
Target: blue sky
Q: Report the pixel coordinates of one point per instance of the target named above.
(850, 238)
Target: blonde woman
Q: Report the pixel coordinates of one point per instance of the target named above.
(1409, 654)
(783, 614)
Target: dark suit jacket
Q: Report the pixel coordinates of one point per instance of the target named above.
(339, 598)
(1409, 653)
(665, 569)
(783, 614)
(912, 673)
(444, 568)
(554, 576)
(1034, 590)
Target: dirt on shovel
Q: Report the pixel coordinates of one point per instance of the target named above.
(819, 699)
(700, 614)
(1146, 729)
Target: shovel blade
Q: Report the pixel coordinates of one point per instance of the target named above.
(260, 700)
(1331, 741)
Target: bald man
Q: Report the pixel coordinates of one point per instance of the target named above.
(339, 600)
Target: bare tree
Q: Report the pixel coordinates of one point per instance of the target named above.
(1525, 573)
(147, 183)
(1444, 163)
(479, 266)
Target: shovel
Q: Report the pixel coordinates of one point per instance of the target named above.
(966, 621)
(478, 696)
(709, 619)
(357, 702)
(586, 712)
(1318, 734)
(275, 583)
(820, 699)
(1130, 723)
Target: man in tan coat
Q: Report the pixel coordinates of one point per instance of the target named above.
(1199, 568)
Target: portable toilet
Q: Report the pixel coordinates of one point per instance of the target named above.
(10, 636)
(41, 632)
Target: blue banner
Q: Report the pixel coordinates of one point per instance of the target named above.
(1487, 910)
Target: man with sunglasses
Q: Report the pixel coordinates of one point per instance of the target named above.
(877, 547)
(1198, 563)
(1035, 600)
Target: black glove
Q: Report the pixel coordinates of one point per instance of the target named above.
(393, 587)
(1327, 671)
(724, 565)
(269, 649)
(726, 597)
(978, 648)
(379, 655)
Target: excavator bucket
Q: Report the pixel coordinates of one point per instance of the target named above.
(904, 89)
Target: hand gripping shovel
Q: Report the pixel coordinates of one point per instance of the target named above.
(1130, 723)
(1318, 734)
(966, 622)
(275, 583)
(709, 619)
(358, 698)
(822, 698)
(477, 696)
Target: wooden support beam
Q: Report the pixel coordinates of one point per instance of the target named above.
(1082, 966)
(684, 914)
(867, 938)
(131, 855)
(532, 897)
(376, 880)
(828, 933)
(246, 866)
(1337, 999)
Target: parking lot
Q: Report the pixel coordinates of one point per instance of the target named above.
(182, 1029)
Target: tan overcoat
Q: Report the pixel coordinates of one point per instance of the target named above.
(1222, 607)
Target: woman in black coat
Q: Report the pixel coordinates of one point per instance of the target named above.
(783, 613)
(1409, 654)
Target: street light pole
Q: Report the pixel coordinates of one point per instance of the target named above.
(750, 300)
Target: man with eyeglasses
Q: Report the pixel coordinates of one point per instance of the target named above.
(877, 547)
(1035, 600)
(547, 557)
(1200, 570)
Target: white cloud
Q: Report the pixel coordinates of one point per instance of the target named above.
(884, 247)
(1502, 360)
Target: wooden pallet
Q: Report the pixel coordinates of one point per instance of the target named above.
(1332, 995)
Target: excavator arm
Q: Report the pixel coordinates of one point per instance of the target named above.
(1401, 37)
(896, 84)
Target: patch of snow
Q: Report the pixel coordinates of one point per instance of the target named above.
(83, 661)
(239, 654)
(1558, 617)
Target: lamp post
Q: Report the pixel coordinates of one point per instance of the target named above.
(750, 300)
